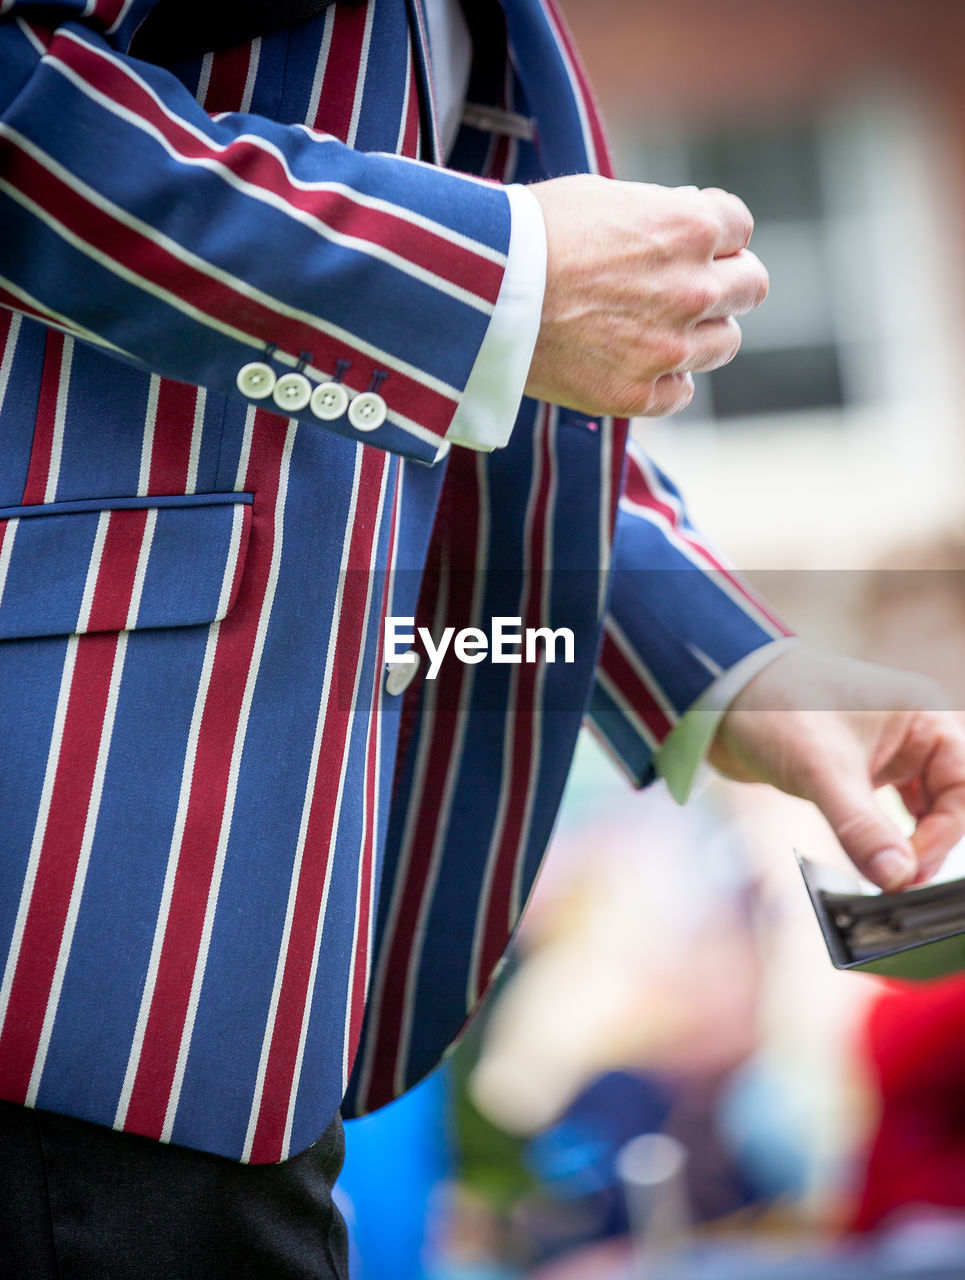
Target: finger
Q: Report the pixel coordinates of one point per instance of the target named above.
(740, 284)
(671, 393)
(913, 797)
(869, 838)
(941, 820)
(938, 831)
(715, 343)
(736, 223)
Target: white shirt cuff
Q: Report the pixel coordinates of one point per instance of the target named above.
(490, 402)
(682, 752)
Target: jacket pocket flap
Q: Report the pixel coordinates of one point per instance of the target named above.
(121, 564)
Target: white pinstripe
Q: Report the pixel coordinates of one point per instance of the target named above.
(140, 572)
(360, 79)
(93, 570)
(420, 770)
(254, 55)
(6, 551)
(237, 524)
(539, 679)
(124, 11)
(456, 758)
(245, 454)
(320, 925)
(60, 417)
(627, 710)
(589, 144)
(227, 814)
(80, 873)
(6, 362)
(54, 319)
(371, 906)
(164, 907)
(147, 440)
(321, 65)
(474, 978)
(31, 35)
(605, 530)
(204, 78)
(404, 121)
(40, 826)
(640, 668)
(197, 429)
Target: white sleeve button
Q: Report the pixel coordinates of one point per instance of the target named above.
(292, 392)
(367, 411)
(402, 673)
(329, 401)
(256, 380)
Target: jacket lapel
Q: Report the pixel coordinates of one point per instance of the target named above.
(181, 29)
(432, 146)
(570, 134)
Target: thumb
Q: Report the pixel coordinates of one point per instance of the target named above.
(869, 838)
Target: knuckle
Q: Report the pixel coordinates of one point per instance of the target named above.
(700, 296)
(702, 233)
(627, 398)
(763, 284)
(685, 394)
(669, 394)
(736, 338)
(672, 351)
(743, 218)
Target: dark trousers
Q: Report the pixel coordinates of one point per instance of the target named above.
(79, 1202)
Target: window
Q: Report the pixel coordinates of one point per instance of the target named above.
(809, 347)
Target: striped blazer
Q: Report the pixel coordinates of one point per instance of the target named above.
(241, 879)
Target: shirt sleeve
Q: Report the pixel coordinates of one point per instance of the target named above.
(679, 757)
(489, 405)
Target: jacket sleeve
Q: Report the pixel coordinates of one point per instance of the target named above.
(678, 617)
(194, 245)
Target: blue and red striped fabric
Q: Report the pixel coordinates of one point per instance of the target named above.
(237, 875)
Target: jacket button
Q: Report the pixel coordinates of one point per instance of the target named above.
(256, 380)
(292, 392)
(329, 401)
(367, 411)
(402, 673)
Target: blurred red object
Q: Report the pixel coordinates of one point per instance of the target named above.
(915, 1046)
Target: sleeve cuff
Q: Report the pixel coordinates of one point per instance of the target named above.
(489, 405)
(679, 758)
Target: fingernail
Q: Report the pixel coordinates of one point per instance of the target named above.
(891, 868)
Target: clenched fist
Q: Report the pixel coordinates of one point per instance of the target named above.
(642, 287)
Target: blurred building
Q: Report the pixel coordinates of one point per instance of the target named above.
(839, 431)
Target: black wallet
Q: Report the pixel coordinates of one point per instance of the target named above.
(917, 933)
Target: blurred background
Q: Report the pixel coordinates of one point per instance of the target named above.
(670, 979)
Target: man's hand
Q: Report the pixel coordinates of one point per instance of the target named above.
(832, 730)
(642, 287)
